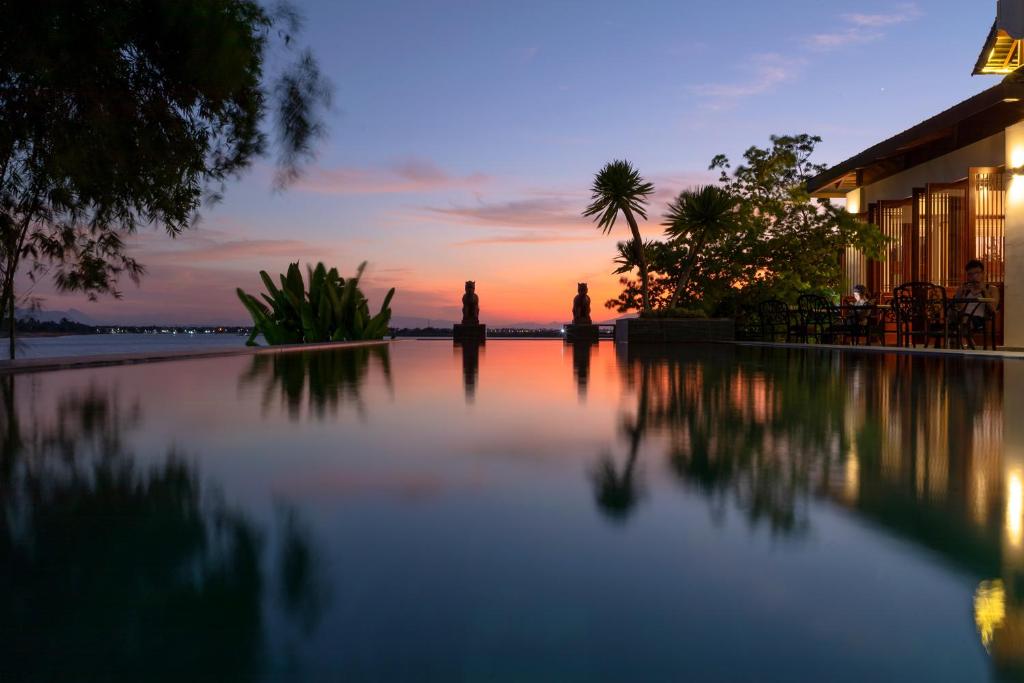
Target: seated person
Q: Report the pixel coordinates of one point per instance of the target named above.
(860, 306)
(972, 315)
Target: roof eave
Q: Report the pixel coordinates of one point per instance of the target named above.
(990, 42)
(824, 184)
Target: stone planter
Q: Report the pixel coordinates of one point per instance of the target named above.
(469, 333)
(581, 333)
(675, 330)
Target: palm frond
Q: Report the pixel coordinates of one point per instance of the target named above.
(708, 208)
(617, 186)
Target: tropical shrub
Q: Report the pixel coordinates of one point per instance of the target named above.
(757, 234)
(334, 309)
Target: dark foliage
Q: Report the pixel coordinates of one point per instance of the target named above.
(116, 114)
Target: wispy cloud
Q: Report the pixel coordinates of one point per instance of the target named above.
(862, 28)
(228, 248)
(531, 238)
(903, 13)
(192, 279)
(769, 71)
(405, 176)
(533, 212)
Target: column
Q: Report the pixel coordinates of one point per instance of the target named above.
(1013, 301)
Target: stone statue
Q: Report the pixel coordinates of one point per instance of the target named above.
(581, 306)
(470, 305)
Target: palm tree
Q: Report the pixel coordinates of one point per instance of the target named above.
(695, 218)
(619, 187)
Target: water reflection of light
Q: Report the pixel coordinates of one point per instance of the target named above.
(851, 481)
(1015, 508)
(989, 609)
(979, 502)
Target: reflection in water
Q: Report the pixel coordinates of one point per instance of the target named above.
(581, 352)
(893, 481)
(618, 492)
(913, 444)
(116, 571)
(989, 609)
(325, 380)
(470, 367)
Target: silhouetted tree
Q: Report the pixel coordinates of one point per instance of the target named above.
(758, 234)
(695, 218)
(121, 113)
(618, 187)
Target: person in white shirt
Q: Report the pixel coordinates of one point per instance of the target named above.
(972, 315)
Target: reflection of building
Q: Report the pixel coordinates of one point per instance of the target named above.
(1005, 595)
(916, 445)
(950, 188)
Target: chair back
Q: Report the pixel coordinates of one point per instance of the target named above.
(748, 322)
(816, 309)
(774, 316)
(920, 307)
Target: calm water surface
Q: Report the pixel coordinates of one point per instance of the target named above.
(521, 511)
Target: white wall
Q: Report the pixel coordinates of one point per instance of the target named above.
(1013, 303)
(946, 169)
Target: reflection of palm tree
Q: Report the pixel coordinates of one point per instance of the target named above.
(112, 572)
(617, 494)
(324, 379)
(726, 422)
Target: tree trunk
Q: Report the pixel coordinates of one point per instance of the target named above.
(641, 257)
(684, 277)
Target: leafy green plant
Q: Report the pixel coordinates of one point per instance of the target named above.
(334, 309)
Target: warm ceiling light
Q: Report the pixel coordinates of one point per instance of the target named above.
(1011, 99)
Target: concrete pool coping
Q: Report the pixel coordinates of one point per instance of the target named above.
(998, 354)
(10, 367)
(27, 365)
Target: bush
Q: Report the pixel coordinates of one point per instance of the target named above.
(332, 310)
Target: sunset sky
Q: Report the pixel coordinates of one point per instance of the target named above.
(465, 134)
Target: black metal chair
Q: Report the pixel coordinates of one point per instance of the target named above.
(920, 309)
(867, 323)
(852, 323)
(961, 325)
(775, 320)
(748, 323)
(819, 318)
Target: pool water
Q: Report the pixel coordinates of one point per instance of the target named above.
(525, 510)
